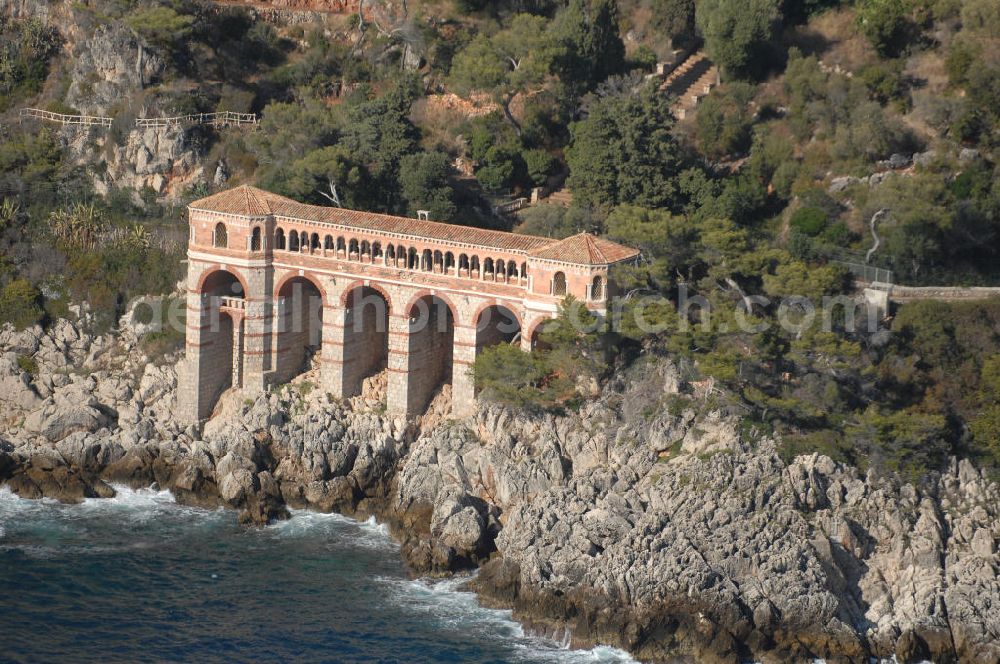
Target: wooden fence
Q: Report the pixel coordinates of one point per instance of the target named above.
(223, 119)
(80, 120)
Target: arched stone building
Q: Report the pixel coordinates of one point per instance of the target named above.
(274, 284)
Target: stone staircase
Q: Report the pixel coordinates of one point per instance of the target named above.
(689, 81)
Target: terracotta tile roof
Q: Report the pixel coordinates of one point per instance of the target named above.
(243, 200)
(586, 249)
(250, 201)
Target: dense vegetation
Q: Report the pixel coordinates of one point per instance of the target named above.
(831, 114)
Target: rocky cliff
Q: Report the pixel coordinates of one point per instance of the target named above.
(646, 520)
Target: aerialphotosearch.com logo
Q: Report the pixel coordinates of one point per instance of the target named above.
(302, 311)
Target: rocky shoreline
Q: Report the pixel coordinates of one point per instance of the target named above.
(647, 520)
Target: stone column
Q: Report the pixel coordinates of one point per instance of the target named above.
(398, 392)
(334, 320)
(258, 332)
(463, 394)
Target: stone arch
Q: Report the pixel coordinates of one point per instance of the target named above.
(220, 238)
(534, 330)
(299, 325)
(495, 323)
(559, 284)
(218, 281)
(218, 337)
(430, 354)
(255, 239)
(408, 310)
(366, 334)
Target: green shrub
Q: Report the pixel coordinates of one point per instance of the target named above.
(27, 364)
(19, 304)
(809, 221)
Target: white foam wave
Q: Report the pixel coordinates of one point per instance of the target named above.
(344, 530)
(445, 603)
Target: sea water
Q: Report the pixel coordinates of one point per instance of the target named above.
(140, 578)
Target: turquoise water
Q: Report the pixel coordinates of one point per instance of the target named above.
(140, 578)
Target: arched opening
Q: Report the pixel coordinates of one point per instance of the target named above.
(376, 250)
(449, 261)
(366, 337)
(535, 336)
(314, 242)
(496, 324)
(431, 340)
(501, 270)
(328, 243)
(293, 241)
(512, 271)
(279, 239)
(425, 260)
(597, 288)
(438, 261)
(524, 271)
(221, 237)
(413, 259)
(341, 246)
(300, 327)
(474, 270)
(488, 268)
(304, 241)
(366, 249)
(463, 265)
(352, 249)
(255, 239)
(220, 338)
(559, 284)
(390, 255)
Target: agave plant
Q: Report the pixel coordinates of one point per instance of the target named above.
(9, 208)
(79, 226)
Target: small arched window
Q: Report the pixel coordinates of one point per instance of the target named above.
(352, 248)
(501, 268)
(475, 265)
(341, 245)
(463, 262)
(221, 237)
(524, 270)
(255, 239)
(511, 269)
(328, 242)
(314, 241)
(279, 239)
(449, 261)
(597, 288)
(365, 248)
(559, 284)
(293, 241)
(414, 259)
(488, 266)
(390, 254)
(376, 249)
(425, 260)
